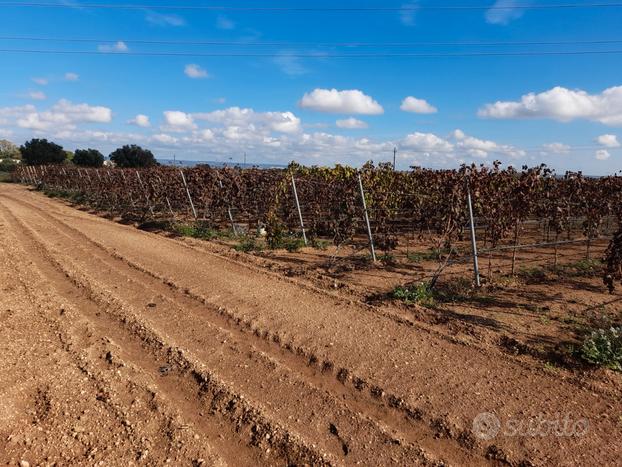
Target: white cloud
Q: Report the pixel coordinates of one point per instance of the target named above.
(555, 148)
(64, 115)
(562, 104)
(71, 76)
(159, 19)
(352, 124)
(502, 12)
(37, 95)
(40, 81)
(609, 141)
(236, 117)
(117, 47)
(602, 155)
(178, 121)
(222, 22)
(426, 142)
(407, 16)
(481, 148)
(195, 71)
(164, 138)
(140, 120)
(334, 101)
(419, 106)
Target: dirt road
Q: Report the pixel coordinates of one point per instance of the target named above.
(118, 346)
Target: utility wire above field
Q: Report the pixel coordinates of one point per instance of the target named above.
(351, 44)
(129, 6)
(316, 54)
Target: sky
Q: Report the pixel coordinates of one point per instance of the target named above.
(322, 86)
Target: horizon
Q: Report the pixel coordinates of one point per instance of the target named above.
(504, 80)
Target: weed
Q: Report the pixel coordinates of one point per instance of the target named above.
(434, 254)
(197, 230)
(320, 244)
(604, 347)
(248, 244)
(532, 274)
(416, 293)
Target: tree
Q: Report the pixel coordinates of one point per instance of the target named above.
(9, 150)
(41, 151)
(131, 156)
(88, 158)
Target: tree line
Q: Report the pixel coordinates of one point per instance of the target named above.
(41, 152)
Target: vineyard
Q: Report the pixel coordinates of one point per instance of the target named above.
(333, 313)
(375, 213)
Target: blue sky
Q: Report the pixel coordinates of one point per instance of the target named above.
(563, 110)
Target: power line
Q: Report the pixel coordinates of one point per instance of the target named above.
(306, 44)
(315, 54)
(129, 6)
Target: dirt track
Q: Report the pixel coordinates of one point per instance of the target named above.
(119, 345)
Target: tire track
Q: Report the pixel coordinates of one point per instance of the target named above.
(361, 430)
(454, 382)
(189, 379)
(405, 423)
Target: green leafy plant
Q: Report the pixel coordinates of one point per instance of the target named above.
(604, 347)
(248, 244)
(416, 293)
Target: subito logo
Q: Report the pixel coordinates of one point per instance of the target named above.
(486, 426)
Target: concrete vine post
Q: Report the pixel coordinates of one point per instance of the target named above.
(302, 224)
(194, 211)
(369, 234)
(473, 237)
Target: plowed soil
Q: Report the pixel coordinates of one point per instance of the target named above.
(123, 347)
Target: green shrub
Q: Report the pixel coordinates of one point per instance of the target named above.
(293, 244)
(416, 293)
(248, 244)
(604, 347)
(320, 244)
(197, 230)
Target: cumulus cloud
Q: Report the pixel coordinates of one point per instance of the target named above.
(503, 11)
(71, 76)
(481, 148)
(418, 106)
(117, 47)
(140, 120)
(37, 95)
(609, 141)
(176, 120)
(40, 81)
(602, 155)
(164, 138)
(63, 115)
(555, 148)
(426, 142)
(236, 117)
(195, 71)
(352, 124)
(347, 102)
(562, 104)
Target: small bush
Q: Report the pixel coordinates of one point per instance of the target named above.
(197, 230)
(418, 293)
(320, 244)
(604, 347)
(293, 244)
(248, 244)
